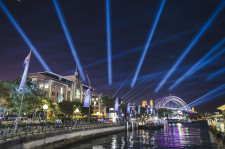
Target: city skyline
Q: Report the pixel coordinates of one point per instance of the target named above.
(130, 24)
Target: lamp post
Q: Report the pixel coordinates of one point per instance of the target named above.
(76, 113)
(97, 114)
(45, 107)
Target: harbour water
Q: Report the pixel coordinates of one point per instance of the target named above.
(194, 135)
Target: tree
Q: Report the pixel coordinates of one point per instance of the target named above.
(4, 95)
(67, 108)
(161, 112)
(109, 102)
(142, 111)
(82, 110)
(53, 106)
(31, 99)
(85, 110)
(4, 91)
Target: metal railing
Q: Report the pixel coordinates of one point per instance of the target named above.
(11, 131)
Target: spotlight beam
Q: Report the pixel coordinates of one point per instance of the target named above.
(217, 73)
(191, 45)
(199, 64)
(212, 58)
(132, 91)
(137, 95)
(123, 83)
(108, 36)
(69, 38)
(128, 98)
(214, 91)
(136, 87)
(148, 43)
(24, 36)
(208, 98)
(133, 50)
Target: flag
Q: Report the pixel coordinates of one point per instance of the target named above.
(116, 104)
(164, 114)
(87, 98)
(128, 108)
(24, 77)
(147, 110)
(139, 112)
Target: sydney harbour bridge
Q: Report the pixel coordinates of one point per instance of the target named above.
(173, 103)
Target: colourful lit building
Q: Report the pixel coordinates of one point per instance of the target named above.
(67, 88)
(144, 103)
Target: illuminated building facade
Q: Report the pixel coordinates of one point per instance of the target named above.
(68, 88)
(144, 103)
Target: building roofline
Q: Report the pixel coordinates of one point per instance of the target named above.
(52, 74)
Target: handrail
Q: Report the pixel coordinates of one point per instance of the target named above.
(11, 131)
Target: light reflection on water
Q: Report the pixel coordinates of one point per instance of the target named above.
(171, 136)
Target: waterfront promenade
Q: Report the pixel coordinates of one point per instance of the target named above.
(41, 135)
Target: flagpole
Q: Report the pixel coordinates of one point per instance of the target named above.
(23, 84)
(21, 103)
(89, 99)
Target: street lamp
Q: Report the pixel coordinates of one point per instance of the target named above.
(76, 113)
(77, 110)
(97, 113)
(45, 107)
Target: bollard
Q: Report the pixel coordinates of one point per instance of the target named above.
(127, 126)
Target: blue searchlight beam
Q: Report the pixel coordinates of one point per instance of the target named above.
(207, 95)
(24, 36)
(198, 65)
(208, 98)
(122, 84)
(141, 83)
(68, 37)
(108, 36)
(191, 45)
(217, 73)
(164, 40)
(148, 42)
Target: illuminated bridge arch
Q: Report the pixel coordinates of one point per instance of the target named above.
(165, 103)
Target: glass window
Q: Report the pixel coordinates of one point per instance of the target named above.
(46, 85)
(41, 85)
(61, 90)
(77, 93)
(34, 79)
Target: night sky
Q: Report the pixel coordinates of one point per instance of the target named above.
(131, 22)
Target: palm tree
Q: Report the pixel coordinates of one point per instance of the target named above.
(109, 102)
